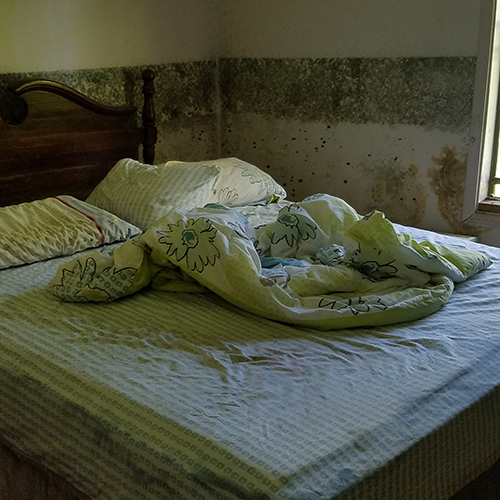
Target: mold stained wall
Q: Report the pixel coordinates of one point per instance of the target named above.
(101, 48)
(370, 101)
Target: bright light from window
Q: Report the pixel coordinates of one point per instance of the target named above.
(492, 143)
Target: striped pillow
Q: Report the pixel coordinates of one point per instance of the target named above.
(42, 229)
(141, 193)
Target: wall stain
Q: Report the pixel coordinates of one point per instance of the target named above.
(404, 199)
(448, 183)
(432, 92)
(186, 101)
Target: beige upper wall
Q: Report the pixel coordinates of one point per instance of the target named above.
(72, 34)
(46, 35)
(348, 28)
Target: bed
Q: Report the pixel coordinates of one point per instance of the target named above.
(165, 394)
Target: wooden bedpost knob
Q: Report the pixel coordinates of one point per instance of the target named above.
(148, 75)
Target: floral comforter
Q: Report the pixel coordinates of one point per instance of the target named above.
(318, 264)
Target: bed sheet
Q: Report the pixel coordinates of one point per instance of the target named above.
(192, 398)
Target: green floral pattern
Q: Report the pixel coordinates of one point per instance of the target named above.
(293, 223)
(373, 263)
(227, 196)
(355, 305)
(373, 277)
(192, 242)
(82, 283)
(266, 185)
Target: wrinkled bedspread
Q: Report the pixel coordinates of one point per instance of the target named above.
(318, 264)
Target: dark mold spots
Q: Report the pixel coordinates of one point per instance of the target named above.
(448, 183)
(202, 136)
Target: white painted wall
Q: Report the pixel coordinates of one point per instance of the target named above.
(348, 28)
(46, 35)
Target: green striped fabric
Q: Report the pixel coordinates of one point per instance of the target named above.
(182, 396)
(141, 193)
(51, 227)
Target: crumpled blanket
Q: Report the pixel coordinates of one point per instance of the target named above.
(319, 264)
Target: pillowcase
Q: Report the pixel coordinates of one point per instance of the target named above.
(42, 229)
(141, 193)
(241, 183)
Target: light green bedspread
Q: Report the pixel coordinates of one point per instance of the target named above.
(318, 264)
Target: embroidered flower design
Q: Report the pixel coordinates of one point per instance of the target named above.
(193, 242)
(227, 196)
(356, 305)
(370, 262)
(256, 177)
(293, 224)
(376, 271)
(81, 283)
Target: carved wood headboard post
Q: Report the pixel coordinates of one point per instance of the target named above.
(148, 117)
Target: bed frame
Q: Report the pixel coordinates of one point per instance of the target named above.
(55, 140)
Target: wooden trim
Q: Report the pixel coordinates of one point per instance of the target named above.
(485, 487)
(482, 119)
(148, 117)
(489, 205)
(69, 93)
(24, 479)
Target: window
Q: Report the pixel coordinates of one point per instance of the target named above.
(482, 189)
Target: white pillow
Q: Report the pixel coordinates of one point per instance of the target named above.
(42, 229)
(241, 183)
(141, 193)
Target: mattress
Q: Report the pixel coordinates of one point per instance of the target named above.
(176, 395)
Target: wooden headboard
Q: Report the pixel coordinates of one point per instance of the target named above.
(55, 140)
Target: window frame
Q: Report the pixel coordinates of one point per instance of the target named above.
(479, 209)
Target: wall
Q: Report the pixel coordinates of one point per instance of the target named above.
(66, 35)
(101, 47)
(366, 100)
(354, 28)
